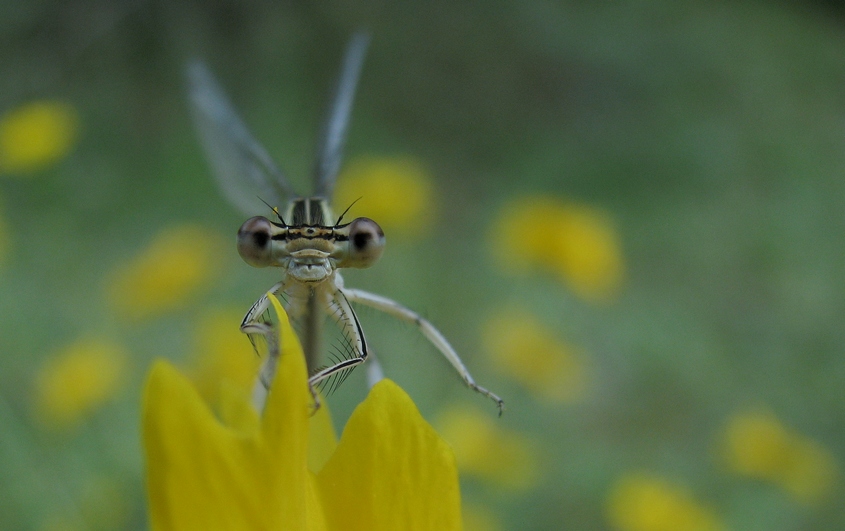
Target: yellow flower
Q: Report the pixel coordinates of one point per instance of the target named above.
(527, 351)
(395, 192)
(36, 135)
(390, 470)
(77, 380)
(575, 242)
(180, 262)
(488, 451)
(755, 444)
(643, 502)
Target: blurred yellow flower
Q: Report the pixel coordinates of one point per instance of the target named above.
(395, 192)
(480, 518)
(101, 504)
(105, 504)
(36, 135)
(222, 354)
(524, 349)
(179, 262)
(486, 450)
(77, 380)
(755, 444)
(390, 470)
(640, 501)
(575, 242)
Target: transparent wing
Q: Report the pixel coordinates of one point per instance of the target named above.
(333, 134)
(244, 170)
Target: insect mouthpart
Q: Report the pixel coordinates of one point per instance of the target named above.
(310, 265)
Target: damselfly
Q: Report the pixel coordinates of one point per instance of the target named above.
(305, 241)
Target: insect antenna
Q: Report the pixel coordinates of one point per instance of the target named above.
(337, 223)
(275, 211)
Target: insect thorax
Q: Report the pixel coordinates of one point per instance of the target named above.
(309, 211)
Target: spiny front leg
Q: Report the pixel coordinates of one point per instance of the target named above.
(357, 344)
(268, 369)
(251, 326)
(428, 330)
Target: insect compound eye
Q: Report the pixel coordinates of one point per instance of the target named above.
(254, 238)
(366, 243)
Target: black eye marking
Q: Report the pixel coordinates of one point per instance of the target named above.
(362, 239)
(260, 238)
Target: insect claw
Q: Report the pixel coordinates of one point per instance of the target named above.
(316, 404)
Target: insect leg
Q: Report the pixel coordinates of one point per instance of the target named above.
(250, 320)
(352, 327)
(428, 330)
(250, 325)
(268, 369)
(374, 371)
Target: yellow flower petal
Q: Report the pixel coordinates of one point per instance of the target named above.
(322, 438)
(36, 135)
(77, 380)
(201, 474)
(644, 502)
(524, 349)
(757, 445)
(179, 263)
(575, 242)
(233, 406)
(391, 470)
(488, 451)
(395, 192)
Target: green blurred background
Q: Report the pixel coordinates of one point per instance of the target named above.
(712, 133)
